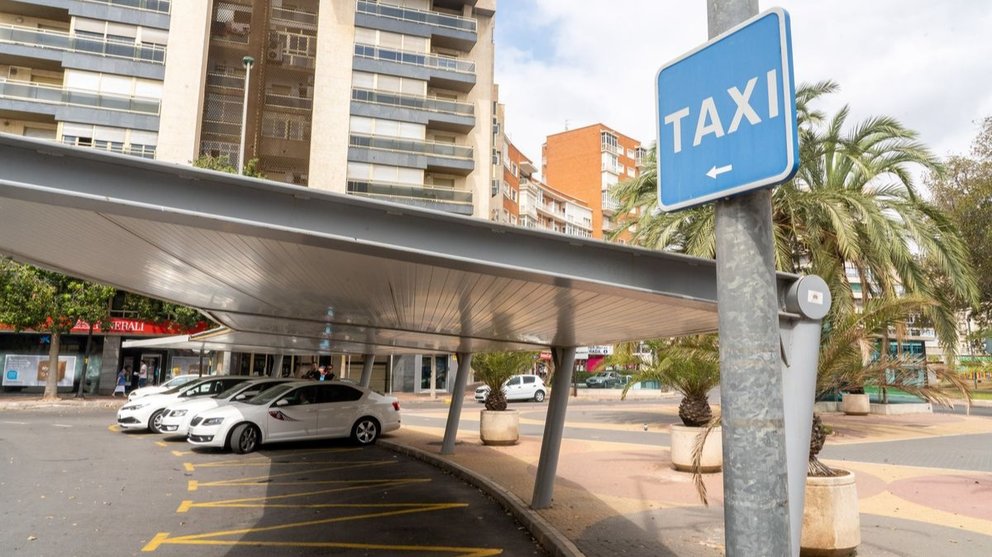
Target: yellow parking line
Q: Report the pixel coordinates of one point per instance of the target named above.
(161, 443)
(193, 485)
(350, 485)
(427, 507)
(181, 453)
(114, 427)
(310, 471)
(262, 459)
(392, 549)
(188, 466)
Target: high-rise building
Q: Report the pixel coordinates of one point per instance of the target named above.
(86, 73)
(388, 99)
(585, 162)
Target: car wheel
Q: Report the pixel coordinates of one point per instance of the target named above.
(539, 396)
(244, 438)
(155, 421)
(365, 431)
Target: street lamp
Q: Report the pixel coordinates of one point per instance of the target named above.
(248, 61)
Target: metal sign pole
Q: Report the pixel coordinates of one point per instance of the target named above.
(756, 513)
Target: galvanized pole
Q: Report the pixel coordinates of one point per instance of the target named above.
(457, 398)
(367, 363)
(554, 425)
(756, 514)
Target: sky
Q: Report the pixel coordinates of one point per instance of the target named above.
(565, 64)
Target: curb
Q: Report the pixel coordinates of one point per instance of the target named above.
(37, 403)
(542, 530)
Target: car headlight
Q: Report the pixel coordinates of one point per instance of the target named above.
(178, 413)
(212, 421)
(135, 406)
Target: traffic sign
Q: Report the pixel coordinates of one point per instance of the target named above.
(727, 115)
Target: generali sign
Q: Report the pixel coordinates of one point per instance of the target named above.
(130, 327)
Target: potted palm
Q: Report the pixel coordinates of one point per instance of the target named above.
(499, 425)
(691, 366)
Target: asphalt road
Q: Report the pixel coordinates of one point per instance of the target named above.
(74, 486)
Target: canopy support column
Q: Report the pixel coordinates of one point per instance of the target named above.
(554, 425)
(457, 398)
(276, 370)
(367, 369)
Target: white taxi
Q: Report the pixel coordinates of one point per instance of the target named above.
(297, 411)
(176, 418)
(146, 412)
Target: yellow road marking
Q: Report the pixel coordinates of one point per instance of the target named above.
(181, 453)
(161, 443)
(114, 427)
(459, 551)
(259, 460)
(350, 485)
(188, 466)
(265, 479)
(193, 485)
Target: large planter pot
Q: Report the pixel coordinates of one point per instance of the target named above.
(684, 440)
(855, 404)
(499, 427)
(831, 523)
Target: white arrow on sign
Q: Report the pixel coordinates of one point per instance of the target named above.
(716, 171)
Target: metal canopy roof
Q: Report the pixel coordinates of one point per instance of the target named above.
(298, 269)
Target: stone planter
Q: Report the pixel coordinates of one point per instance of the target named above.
(831, 523)
(499, 427)
(855, 405)
(683, 441)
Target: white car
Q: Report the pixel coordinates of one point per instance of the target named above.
(146, 412)
(176, 418)
(518, 387)
(297, 411)
(155, 389)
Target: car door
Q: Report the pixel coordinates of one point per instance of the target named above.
(528, 387)
(340, 406)
(512, 388)
(293, 415)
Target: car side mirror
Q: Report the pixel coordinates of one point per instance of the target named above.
(241, 397)
(282, 402)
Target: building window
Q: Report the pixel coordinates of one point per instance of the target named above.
(609, 142)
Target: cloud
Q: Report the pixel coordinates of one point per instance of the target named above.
(578, 62)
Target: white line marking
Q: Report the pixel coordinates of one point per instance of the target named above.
(15, 423)
(61, 425)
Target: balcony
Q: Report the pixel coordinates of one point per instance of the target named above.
(45, 94)
(610, 204)
(60, 41)
(142, 151)
(288, 101)
(452, 201)
(438, 113)
(160, 6)
(445, 30)
(439, 71)
(295, 18)
(226, 81)
(411, 153)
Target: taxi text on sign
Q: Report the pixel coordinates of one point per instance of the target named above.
(727, 115)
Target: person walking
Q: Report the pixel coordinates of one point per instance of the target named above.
(326, 373)
(122, 377)
(143, 374)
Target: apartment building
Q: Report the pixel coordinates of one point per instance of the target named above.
(86, 73)
(521, 198)
(386, 99)
(585, 162)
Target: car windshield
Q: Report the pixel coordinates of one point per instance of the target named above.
(177, 381)
(232, 390)
(181, 387)
(268, 396)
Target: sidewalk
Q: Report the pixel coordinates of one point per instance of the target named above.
(624, 499)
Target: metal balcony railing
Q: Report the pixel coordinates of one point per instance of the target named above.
(414, 58)
(294, 16)
(411, 101)
(160, 6)
(288, 101)
(386, 189)
(58, 40)
(24, 90)
(226, 80)
(610, 203)
(418, 16)
(411, 146)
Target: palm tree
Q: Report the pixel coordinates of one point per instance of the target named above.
(494, 368)
(691, 365)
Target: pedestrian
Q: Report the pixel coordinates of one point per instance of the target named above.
(325, 373)
(134, 377)
(313, 373)
(143, 374)
(122, 377)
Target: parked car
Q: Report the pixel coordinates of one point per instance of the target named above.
(176, 418)
(518, 387)
(146, 412)
(605, 379)
(297, 411)
(155, 389)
